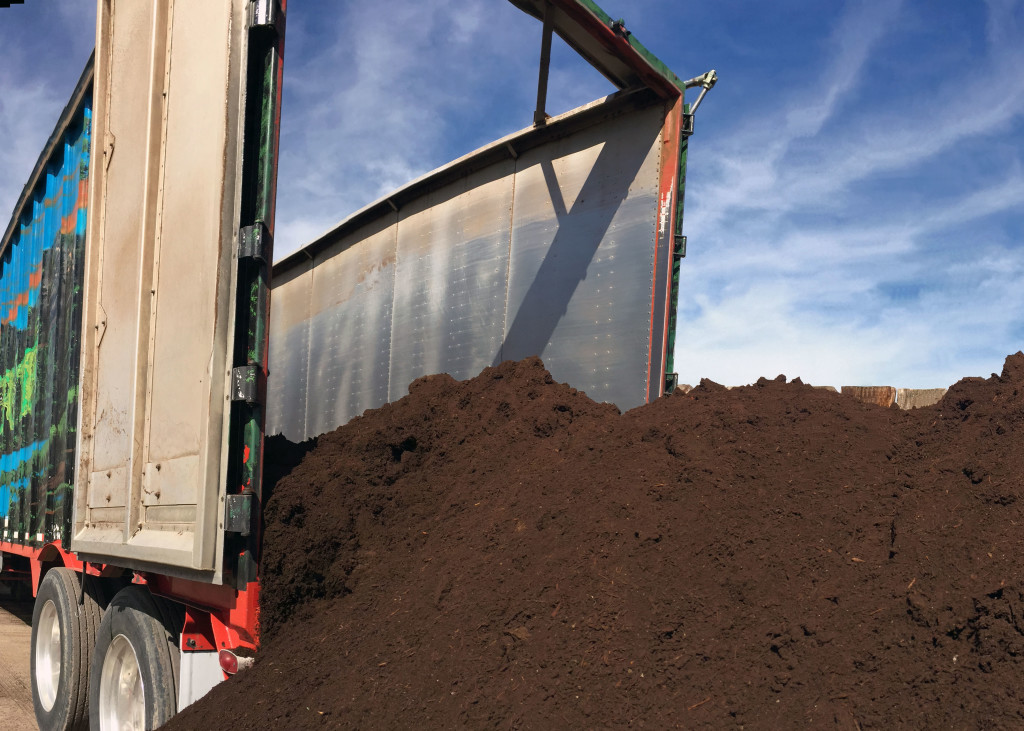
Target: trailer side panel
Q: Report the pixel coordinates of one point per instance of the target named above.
(40, 314)
(545, 243)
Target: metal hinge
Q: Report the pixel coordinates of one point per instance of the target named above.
(255, 242)
(687, 125)
(705, 81)
(680, 248)
(266, 14)
(245, 384)
(671, 381)
(238, 513)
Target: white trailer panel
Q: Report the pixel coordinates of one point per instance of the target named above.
(159, 283)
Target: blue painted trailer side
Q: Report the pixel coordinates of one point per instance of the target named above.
(40, 321)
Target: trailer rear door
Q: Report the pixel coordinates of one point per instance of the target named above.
(161, 281)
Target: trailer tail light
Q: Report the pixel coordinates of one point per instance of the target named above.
(231, 663)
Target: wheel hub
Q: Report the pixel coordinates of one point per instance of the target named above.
(48, 657)
(122, 695)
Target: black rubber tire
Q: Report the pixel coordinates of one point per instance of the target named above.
(152, 626)
(78, 626)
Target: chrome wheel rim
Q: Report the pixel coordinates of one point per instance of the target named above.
(47, 655)
(122, 694)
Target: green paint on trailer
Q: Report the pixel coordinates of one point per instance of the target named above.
(652, 60)
(17, 389)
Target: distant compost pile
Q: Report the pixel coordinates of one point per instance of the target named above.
(505, 552)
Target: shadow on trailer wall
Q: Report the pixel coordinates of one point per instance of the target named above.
(544, 243)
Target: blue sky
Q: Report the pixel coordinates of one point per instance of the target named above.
(855, 196)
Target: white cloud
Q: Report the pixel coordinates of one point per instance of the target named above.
(803, 266)
(857, 33)
(365, 116)
(45, 47)
(412, 86)
(788, 160)
(25, 111)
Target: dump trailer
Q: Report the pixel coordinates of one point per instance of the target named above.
(148, 344)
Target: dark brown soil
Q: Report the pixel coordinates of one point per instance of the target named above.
(506, 553)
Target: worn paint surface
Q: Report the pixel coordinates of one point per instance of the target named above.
(174, 82)
(678, 251)
(40, 318)
(259, 183)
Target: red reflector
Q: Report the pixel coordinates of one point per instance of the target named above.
(228, 661)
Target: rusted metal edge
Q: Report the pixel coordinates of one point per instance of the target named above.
(606, 44)
(503, 149)
(82, 89)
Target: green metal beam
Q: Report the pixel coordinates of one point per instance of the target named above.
(606, 44)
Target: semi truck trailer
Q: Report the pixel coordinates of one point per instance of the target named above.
(148, 341)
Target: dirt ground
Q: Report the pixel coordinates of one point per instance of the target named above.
(16, 712)
(506, 553)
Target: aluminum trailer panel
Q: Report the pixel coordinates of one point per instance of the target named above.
(550, 242)
(41, 257)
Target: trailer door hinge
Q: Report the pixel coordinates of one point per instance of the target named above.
(671, 381)
(254, 242)
(705, 81)
(687, 125)
(680, 248)
(238, 513)
(266, 14)
(245, 384)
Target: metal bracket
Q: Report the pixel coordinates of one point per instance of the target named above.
(245, 384)
(540, 116)
(266, 14)
(255, 242)
(671, 381)
(687, 125)
(705, 82)
(238, 513)
(679, 252)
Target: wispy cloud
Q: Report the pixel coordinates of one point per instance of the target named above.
(45, 46)
(363, 116)
(857, 33)
(806, 265)
(412, 86)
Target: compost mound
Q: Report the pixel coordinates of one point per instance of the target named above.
(505, 552)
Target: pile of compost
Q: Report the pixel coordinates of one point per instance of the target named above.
(505, 552)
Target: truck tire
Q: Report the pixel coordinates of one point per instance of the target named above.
(63, 636)
(134, 676)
